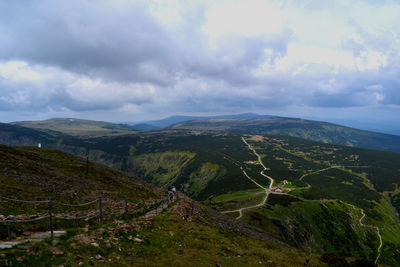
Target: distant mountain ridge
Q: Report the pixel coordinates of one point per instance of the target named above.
(240, 123)
(78, 127)
(311, 130)
(166, 122)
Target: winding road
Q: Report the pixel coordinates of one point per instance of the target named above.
(370, 226)
(266, 190)
(354, 207)
(269, 191)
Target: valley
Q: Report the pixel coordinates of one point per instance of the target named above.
(205, 237)
(268, 191)
(318, 197)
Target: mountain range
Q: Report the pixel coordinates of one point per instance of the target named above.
(317, 196)
(306, 129)
(165, 123)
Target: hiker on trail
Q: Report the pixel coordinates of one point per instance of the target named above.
(170, 194)
(174, 191)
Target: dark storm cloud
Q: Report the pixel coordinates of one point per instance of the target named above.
(237, 57)
(106, 55)
(99, 39)
(92, 37)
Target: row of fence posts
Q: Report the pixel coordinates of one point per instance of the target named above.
(50, 223)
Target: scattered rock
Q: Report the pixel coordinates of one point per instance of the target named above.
(26, 246)
(80, 263)
(56, 251)
(137, 240)
(94, 244)
(171, 233)
(98, 257)
(83, 238)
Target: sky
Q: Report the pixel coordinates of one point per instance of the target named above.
(125, 60)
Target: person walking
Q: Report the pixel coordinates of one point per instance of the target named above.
(170, 194)
(174, 192)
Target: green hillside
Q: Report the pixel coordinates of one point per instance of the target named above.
(306, 129)
(331, 184)
(207, 237)
(39, 174)
(207, 167)
(78, 127)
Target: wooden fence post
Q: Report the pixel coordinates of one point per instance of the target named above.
(8, 228)
(51, 218)
(144, 209)
(100, 210)
(126, 210)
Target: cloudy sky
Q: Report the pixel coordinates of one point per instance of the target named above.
(135, 60)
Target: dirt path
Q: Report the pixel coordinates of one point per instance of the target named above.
(261, 163)
(38, 236)
(158, 210)
(377, 232)
(304, 175)
(354, 207)
(266, 190)
(30, 237)
(370, 226)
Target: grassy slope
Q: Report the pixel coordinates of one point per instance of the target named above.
(235, 200)
(330, 227)
(288, 158)
(361, 186)
(161, 168)
(208, 238)
(78, 127)
(164, 240)
(37, 174)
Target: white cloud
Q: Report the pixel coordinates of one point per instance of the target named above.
(25, 86)
(182, 56)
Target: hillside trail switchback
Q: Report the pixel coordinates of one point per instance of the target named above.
(269, 191)
(354, 207)
(266, 190)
